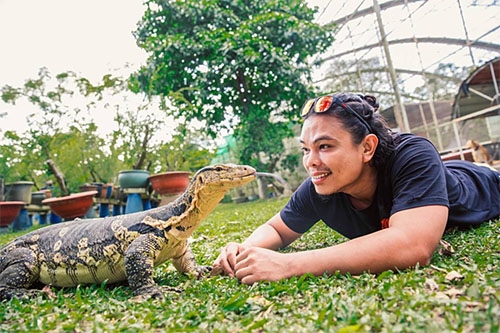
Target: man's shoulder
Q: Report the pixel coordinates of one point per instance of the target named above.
(414, 146)
(407, 139)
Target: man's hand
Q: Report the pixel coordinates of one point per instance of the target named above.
(227, 258)
(255, 264)
(256, 259)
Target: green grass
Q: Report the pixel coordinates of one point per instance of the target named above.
(419, 299)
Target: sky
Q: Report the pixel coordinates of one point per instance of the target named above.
(431, 18)
(91, 38)
(94, 37)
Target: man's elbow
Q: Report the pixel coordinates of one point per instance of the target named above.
(423, 256)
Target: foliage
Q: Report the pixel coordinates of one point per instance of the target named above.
(77, 150)
(444, 82)
(69, 135)
(185, 151)
(232, 64)
(423, 299)
(58, 131)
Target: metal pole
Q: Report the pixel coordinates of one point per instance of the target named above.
(401, 118)
(457, 137)
(469, 44)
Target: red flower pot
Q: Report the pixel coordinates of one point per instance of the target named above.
(9, 210)
(171, 182)
(71, 206)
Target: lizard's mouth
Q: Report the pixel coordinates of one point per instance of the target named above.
(249, 177)
(251, 174)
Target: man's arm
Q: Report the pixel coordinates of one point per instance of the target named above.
(411, 238)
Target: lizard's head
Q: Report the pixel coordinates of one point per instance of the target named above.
(206, 189)
(222, 177)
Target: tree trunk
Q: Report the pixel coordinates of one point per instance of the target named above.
(59, 176)
(1, 188)
(144, 149)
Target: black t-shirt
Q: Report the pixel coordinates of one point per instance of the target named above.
(414, 176)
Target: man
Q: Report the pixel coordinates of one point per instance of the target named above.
(390, 194)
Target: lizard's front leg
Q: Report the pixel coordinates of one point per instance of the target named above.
(186, 263)
(139, 265)
(19, 269)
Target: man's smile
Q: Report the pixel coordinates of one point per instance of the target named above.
(319, 176)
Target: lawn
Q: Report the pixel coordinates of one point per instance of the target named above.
(457, 292)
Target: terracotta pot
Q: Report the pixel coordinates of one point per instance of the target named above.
(133, 178)
(48, 193)
(9, 210)
(171, 182)
(71, 206)
(19, 191)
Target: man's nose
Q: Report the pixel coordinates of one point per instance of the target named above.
(312, 159)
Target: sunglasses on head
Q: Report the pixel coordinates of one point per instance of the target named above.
(326, 103)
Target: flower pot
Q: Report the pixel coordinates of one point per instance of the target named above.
(48, 193)
(71, 206)
(89, 187)
(18, 191)
(98, 188)
(133, 179)
(171, 182)
(9, 210)
(106, 191)
(37, 197)
(240, 199)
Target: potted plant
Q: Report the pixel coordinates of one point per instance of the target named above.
(170, 182)
(71, 206)
(19, 191)
(9, 211)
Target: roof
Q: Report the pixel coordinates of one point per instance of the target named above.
(479, 91)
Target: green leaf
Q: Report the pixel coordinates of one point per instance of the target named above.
(236, 302)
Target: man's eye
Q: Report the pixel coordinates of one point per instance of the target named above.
(304, 150)
(324, 146)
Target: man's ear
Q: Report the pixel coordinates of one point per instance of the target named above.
(369, 144)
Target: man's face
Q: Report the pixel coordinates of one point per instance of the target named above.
(333, 161)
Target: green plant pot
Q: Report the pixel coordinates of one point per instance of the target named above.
(37, 197)
(133, 179)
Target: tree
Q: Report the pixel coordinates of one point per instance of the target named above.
(239, 65)
(42, 142)
(69, 138)
(443, 85)
(185, 152)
